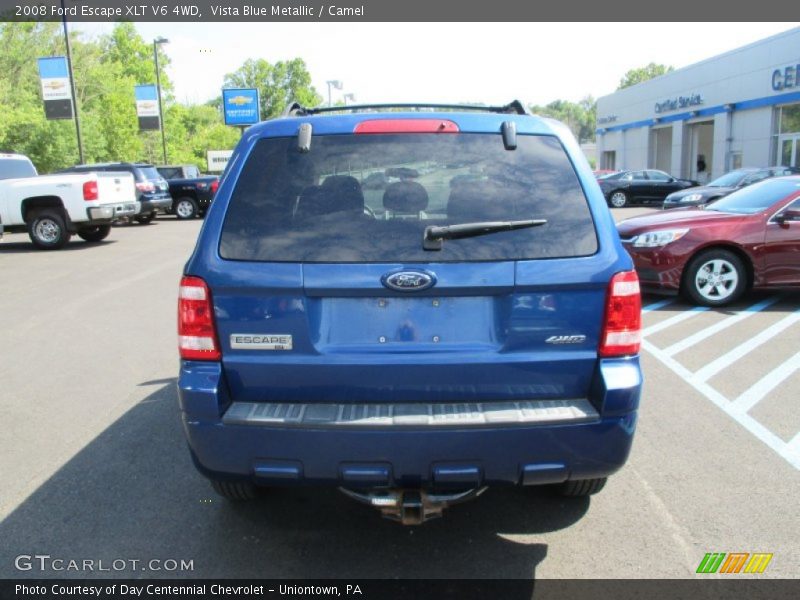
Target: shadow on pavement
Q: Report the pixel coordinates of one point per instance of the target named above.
(27, 247)
(132, 493)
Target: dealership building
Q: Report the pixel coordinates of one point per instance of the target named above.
(738, 109)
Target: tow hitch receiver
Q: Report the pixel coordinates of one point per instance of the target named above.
(411, 506)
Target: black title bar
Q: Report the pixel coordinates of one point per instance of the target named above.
(242, 11)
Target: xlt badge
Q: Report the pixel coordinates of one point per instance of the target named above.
(267, 341)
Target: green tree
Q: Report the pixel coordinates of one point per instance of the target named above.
(641, 74)
(277, 84)
(580, 117)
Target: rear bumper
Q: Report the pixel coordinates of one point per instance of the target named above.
(109, 212)
(162, 204)
(466, 455)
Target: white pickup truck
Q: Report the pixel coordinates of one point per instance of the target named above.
(53, 207)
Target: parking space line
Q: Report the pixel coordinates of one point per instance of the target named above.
(751, 396)
(789, 452)
(674, 320)
(741, 350)
(794, 444)
(690, 341)
(657, 305)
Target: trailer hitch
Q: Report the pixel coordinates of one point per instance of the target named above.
(411, 506)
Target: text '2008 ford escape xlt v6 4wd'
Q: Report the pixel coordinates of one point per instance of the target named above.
(468, 319)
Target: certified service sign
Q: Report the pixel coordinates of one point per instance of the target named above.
(240, 106)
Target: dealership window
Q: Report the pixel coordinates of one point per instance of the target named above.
(609, 160)
(788, 136)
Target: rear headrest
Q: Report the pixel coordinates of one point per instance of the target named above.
(478, 201)
(312, 203)
(344, 193)
(405, 197)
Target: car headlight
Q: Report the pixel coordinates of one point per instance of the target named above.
(656, 239)
(691, 198)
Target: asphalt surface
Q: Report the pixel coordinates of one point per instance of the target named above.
(94, 463)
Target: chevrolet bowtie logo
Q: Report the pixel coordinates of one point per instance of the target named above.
(240, 100)
(54, 85)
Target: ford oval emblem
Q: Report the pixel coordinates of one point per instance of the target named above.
(409, 281)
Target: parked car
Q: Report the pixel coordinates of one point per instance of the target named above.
(191, 192)
(648, 186)
(722, 186)
(152, 189)
(51, 208)
(416, 345)
(750, 238)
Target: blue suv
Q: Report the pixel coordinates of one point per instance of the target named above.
(468, 318)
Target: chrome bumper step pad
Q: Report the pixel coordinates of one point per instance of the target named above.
(529, 412)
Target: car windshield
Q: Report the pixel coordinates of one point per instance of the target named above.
(757, 197)
(370, 198)
(731, 179)
(612, 175)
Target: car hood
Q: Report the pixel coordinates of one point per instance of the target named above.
(705, 190)
(691, 217)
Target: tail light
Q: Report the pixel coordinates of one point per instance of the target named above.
(197, 337)
(145, 186)
(214, 186)
(622, 328)
(90, 191)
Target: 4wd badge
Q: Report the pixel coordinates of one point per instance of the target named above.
(566, 339)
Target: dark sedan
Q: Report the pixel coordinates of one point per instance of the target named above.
(722, 186)
(627, 187)
(750, 238)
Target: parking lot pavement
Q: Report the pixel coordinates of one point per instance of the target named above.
(95, 465)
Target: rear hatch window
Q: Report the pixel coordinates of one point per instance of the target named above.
(369, 199)
(149, 173)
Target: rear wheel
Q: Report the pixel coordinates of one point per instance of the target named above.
(234, 490)
(145, 219)
(185, 208)
(618, 199)
(94, 234)
(582, 487)
(715, 278)
(48, 231)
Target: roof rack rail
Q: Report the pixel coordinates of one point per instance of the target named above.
(295, 109)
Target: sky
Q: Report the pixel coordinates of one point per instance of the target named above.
(443, 62)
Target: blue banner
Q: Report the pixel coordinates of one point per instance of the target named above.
(53, 67)
(240, 106)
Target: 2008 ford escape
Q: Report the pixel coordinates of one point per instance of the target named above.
(411, 306)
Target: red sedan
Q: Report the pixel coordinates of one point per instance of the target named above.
(750, 238)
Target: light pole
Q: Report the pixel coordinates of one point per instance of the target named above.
(72, 84)
(156, 42)
(351, 97)
(335, 83)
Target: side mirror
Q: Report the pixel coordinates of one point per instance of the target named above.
(787, 216)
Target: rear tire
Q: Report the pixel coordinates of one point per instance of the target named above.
(618, 199)
(94, 234)
(185, 208)
(145, 219)
(582, 487)
(238, 491)
(48, 231)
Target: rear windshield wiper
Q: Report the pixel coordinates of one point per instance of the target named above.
(432, 239)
